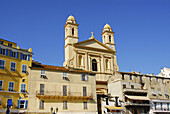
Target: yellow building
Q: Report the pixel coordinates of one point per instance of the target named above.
(14, 72)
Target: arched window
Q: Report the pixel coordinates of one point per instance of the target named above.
(94, 65)
(80, 60)
(72, 31)
(109, 38)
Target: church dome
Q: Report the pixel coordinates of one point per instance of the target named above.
(107, 28)
(71, 19)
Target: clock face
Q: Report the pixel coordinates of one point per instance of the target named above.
(111, 46)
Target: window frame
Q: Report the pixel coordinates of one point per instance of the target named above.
(94, 65)
(85, 105)
(10, 87)
(1, 86)
(84, 77)
(23, 69)
(2, 66)
(3, 51)
(25, 88)
(64, 75)
(41, 104)
(64, 90)
(84, 91)
(24, 105)
(13, 69)
(65, 105)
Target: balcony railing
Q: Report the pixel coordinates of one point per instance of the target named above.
(58, 95)
(137, 90)
(136, 104)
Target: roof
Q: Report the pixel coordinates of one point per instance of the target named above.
(39, 66)
(136, 73)
(7, 41)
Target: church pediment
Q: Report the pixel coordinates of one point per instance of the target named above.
(93, 44)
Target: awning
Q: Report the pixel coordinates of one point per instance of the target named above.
(138, 97)
(114, 108)
(10, 102)
(153, 92)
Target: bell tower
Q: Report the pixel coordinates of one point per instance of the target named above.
(108, 36)
(71, 37)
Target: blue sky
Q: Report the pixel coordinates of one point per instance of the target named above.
(142, 28)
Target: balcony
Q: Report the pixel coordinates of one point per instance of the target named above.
(137, 90)
(54, 95)
(136, 104)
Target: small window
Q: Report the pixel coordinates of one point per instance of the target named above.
(84, 91)
(65, 76)
(80, 60)
(1, 84)
(168, 106)
(43, 74)
(23, 80)
(11, 86)
(84, 77)
(64, 104)
(24, 57)
(123, 77)
(94, 65)
(132, 86)
(2, 51)
(157, 79)
(155, 106)
(163, 81)
(130, 77)
(14, 54)
(41, 106)
(159, 92)
(107, 64)
(72, 31)
(2, 64)
(9, 45)
(140, 79)
(24, 68)
(23, 88)
(161, 106)
(64, 90)
(85, 105)
(110, 38)
(150, 79)
(1, 42)
(13, 66)
(22, 104)
(124, 86)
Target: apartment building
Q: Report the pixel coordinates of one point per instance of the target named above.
(14, 72)
(140, 93)
(62, 90)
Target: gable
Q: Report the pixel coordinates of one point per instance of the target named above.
(93, 44)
